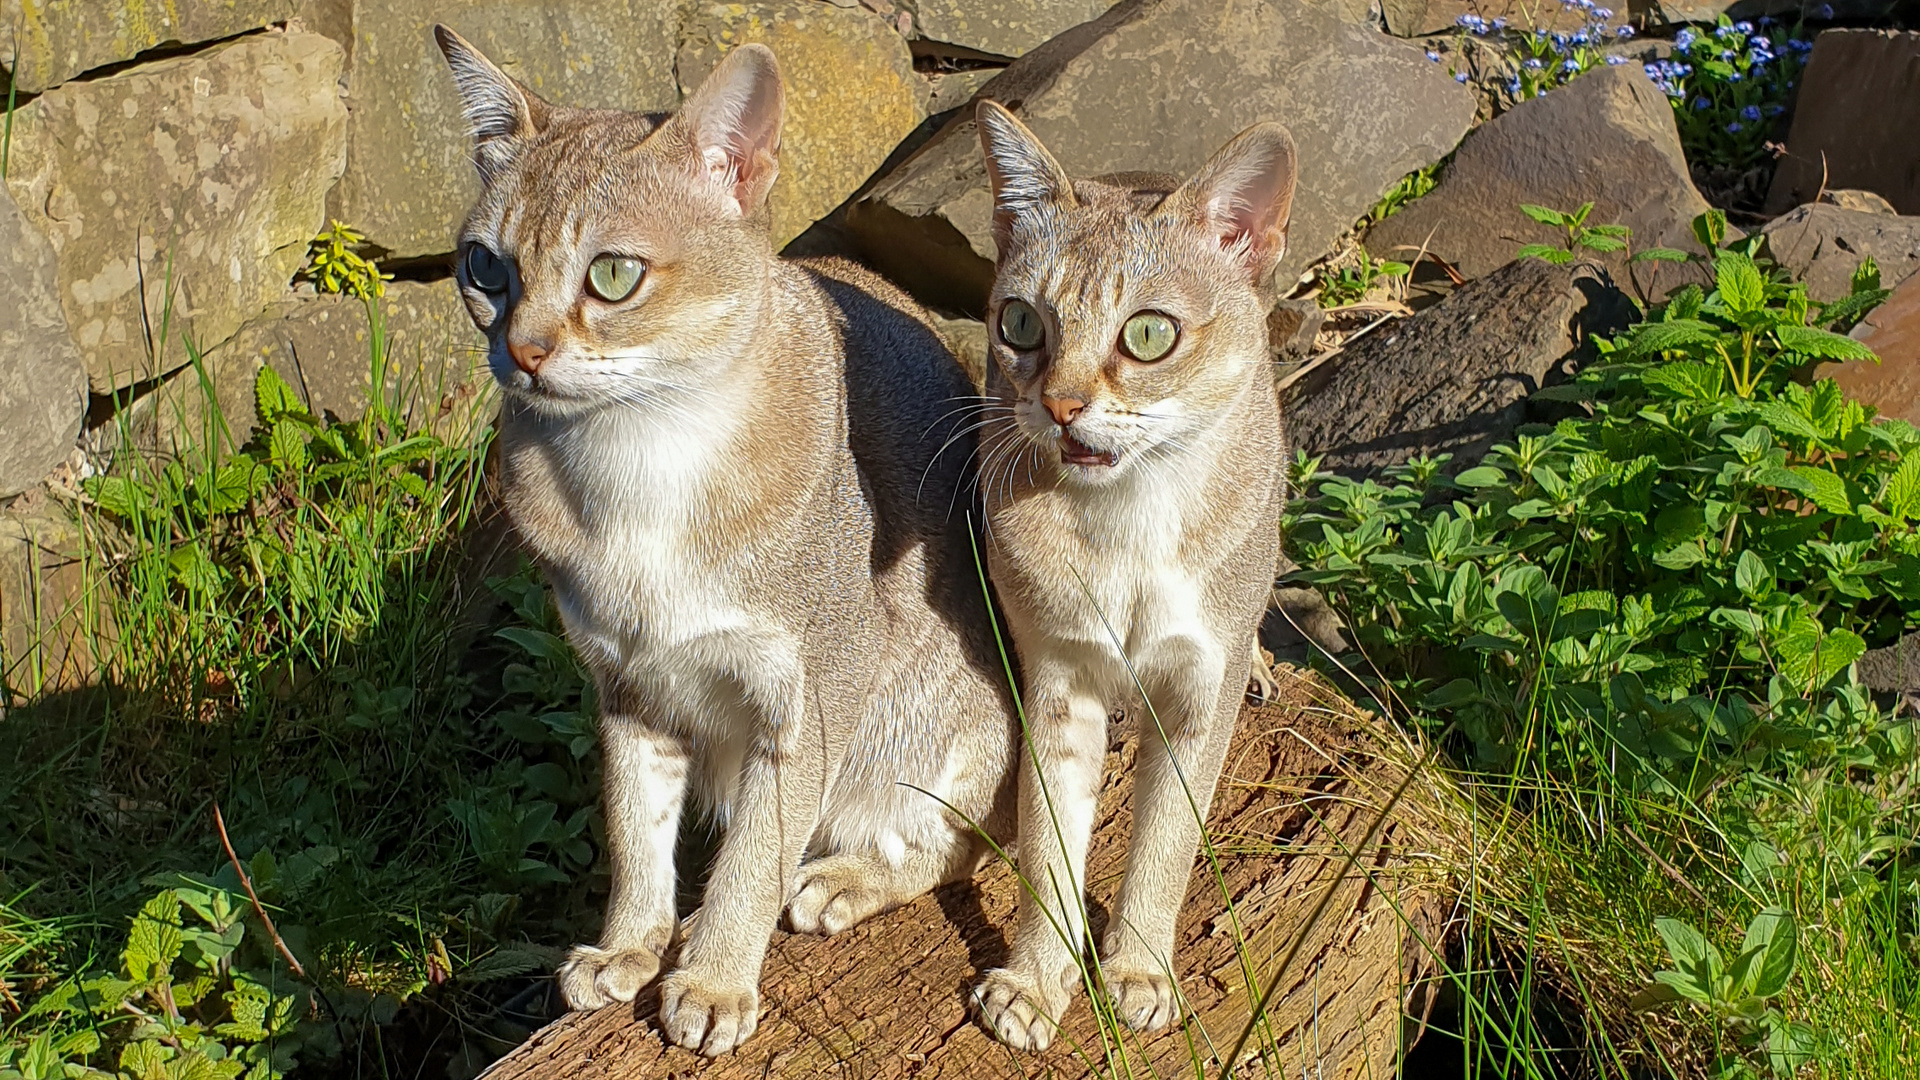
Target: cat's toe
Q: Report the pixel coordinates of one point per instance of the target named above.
(835, 894)
(708, 1015)
(1143, 997)
(1016, 1009)
(594, 977)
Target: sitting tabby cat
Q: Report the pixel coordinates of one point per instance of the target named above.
(1132, 483)
(727, 466)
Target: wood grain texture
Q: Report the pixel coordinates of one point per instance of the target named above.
(1307, 777)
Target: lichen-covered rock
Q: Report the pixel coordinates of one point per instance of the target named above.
(851, 94)
(205, 175)
(1606, 137)
(48, 621)
(43, 387)
(1001, 27)
(58, 39)
(410, 178)
(1160, 85)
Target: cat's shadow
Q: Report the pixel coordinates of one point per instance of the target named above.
(986, 940)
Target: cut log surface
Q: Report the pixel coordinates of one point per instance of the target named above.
(1308, 777)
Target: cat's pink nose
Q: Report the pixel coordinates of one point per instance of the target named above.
(528, 355)
(1063, 410)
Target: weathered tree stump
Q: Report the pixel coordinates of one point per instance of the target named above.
(1306, 783)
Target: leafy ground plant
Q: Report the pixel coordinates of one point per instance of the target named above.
(1738, 995)
(1636, 627)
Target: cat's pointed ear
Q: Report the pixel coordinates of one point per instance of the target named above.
(500, 112)
(1243, 197)
(733, 123)
(1020, 171)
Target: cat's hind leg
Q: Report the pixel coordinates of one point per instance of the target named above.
(839, 891)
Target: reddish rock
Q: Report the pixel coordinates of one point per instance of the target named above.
(1838, 139)
(1892, 331)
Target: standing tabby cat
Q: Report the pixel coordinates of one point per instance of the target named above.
(1132, 483)
(726, 466)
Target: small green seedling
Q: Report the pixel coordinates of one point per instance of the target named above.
(1738, 996)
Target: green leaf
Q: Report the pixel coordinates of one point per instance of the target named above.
(1659, 254)
(1741, 287)
(1685, 945)
(1774, 933)
(1543, 215)
(537, 642)
(1710, 229)
(117, 495)
(1602, 243)
(1823, 344)
(1752, 576)
(1481, 476)
(1901, 498)
(155, 941)
(1658, 337)
(1824, 488)
(273, 398)
(1545, 251)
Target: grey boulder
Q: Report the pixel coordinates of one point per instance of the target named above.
(1141, 88)
(1453, 379)
(1606, 137)
(43, 385)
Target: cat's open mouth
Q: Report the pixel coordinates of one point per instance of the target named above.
(1075, 452)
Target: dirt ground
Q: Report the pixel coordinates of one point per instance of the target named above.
(1304, 784)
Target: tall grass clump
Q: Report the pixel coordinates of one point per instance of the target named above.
(1636, 631)
(297, 714)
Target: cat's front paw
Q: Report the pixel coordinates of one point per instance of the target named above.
(836, 893)
(1017, 1008)
(594, 977)
(708, 1015)
(1143, 996)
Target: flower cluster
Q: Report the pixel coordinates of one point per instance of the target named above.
(1547, 57)
(1726, 83)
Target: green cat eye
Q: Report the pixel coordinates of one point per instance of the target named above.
(1020, 325)
(1148, 336)
(487, 271)
(614, 277)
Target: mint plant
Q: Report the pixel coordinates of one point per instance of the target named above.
(178, 1008)
(1679, 579)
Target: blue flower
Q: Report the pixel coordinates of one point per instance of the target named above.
(1751, 112)
(1513, 86)
(1460, 77)
(1733, 128)
(1603, 14)
(1701, 104)
(1722, 31)
(1743, 26)
(1571, 67)
(1825, 12)
(1735, 77)
(1616, 61)
(1533, 63)
(1433, 56)
(1681, 40)
(1579, 38)
(1500, 23)
(1776, 110)
(1623, 33)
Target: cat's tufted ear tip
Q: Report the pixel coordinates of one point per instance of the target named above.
(1243, 196)
(734, 121)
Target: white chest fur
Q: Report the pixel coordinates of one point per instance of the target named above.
(1126, 596)
(616, 505)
